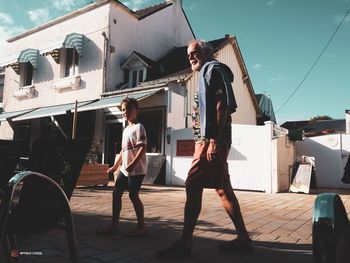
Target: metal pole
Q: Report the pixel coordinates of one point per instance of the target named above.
(74, 128)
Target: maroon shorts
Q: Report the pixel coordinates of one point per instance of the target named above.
(207, 174)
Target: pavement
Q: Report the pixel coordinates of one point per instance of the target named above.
(280, 225)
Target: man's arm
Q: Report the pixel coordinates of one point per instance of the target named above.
(221, 114)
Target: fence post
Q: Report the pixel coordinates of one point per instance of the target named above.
(268, 156)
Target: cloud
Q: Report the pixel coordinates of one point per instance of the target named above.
(192, 7)
(6, 19)
(270, 3)
(135, 4)
(256, 66)
(66, 5)
(329, 55)
(278, 77)
(39, 16)
(7, 30)
(338, 18)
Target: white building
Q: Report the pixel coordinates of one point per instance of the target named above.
(99, 54)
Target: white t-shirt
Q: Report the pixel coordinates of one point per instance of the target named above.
(134, 136)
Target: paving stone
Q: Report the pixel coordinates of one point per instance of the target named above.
(279, 224)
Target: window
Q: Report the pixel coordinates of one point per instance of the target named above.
(72, 61)
(141, 75)
(154, 129)
(26, 74)
(136, 76)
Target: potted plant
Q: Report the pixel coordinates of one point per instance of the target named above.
(92, 172)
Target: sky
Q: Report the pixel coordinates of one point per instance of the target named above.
(297, 52)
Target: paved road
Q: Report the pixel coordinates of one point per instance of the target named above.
(280, 225)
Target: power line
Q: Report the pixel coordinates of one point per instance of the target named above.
(314, 64)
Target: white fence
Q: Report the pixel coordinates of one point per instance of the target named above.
(331, 153)
(257, 160)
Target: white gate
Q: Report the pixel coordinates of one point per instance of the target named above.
(331, 153)
(250, 160)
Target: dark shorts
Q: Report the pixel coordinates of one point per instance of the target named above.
(132, 183)
(205, 174)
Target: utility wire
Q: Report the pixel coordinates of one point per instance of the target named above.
(314, 64)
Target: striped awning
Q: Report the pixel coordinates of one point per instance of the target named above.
(72, 40)
(114, 101)
(27, 55)
(49, 111)
(4, 116)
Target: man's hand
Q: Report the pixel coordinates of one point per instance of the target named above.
(212, 152)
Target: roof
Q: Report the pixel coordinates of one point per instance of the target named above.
(139, 14)
(294, 125)
(266, 109)
(145, 60)
(143, 13)
(315, 128)
(176, 62)
(326, 125)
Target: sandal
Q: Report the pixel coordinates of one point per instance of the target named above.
(236, 245)
(175, 251)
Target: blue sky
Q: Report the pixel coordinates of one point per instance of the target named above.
(279, 39)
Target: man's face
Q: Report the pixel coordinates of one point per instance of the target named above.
(196, 58)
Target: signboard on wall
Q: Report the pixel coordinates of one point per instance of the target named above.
(184, 147)
(302, 178)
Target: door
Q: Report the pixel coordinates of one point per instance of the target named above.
(113, 137)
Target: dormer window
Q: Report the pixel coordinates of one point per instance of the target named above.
(136, 76)
(135, 69)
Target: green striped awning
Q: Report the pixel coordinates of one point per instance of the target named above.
(74, 40)
(30, 55)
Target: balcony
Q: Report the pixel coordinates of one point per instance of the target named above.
(71, 82)
(25, 92)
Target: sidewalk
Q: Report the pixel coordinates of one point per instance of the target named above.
(280, 225)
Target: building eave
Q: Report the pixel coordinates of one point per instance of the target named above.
(246, 78)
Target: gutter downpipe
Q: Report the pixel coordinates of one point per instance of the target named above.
(105, 46)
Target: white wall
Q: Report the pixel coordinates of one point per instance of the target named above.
(331, 153)
(246, 113)
(90, 64)
(255, 159)
(284, 155)
(152, 36)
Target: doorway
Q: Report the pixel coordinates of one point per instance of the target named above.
(113, 137)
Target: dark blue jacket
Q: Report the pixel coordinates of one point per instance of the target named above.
(206, 95)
